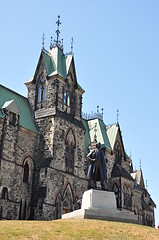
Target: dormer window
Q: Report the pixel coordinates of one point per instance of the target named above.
(42, 90)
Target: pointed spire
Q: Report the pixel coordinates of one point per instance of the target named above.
(130, 154)
(140, 164)
(43, 39)
(95, 131)
(102, 112)
(51, 45)
(117, 115)
(147, 185)
(72, 42)
(58, 31)
(62, 44)
(97, 108)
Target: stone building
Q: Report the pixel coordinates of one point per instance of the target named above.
(44, 141)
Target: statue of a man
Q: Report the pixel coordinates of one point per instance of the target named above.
(97, 170)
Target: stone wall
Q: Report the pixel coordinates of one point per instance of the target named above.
(55, 129)
(18, 144)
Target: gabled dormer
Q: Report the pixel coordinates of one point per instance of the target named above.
(11, 110)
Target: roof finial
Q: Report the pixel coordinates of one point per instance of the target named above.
(62, 44)
(97, 108)
(140, 164)
(95, 130)
(130, 154)
(102, 112)
(43, 39)
(72, 42)
(117, 115)
(51, 45)
(58, 31)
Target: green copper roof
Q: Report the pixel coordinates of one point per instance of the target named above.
(112, 133)
(104, 134)
(26, 115)
(55, 62)
(48, 63)
(61, 63)
(101, 133)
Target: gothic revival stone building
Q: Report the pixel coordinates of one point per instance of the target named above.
(44, 142)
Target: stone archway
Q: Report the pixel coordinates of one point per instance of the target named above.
(67, 200)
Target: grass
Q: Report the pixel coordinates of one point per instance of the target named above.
(75, 229)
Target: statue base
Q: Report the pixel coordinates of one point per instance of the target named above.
(99, 199)
(101, 205)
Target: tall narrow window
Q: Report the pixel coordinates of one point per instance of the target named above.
(67, 96)
(12, 118)
(42, 90)
(5, 193)
(69, 157)
(26, 173)
(70, 142)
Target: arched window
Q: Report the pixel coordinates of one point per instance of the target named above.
(42, 90)
(28, 170)
(70, 148)
(26, 173)
(67, 200)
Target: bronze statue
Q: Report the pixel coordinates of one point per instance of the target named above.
(97, 170)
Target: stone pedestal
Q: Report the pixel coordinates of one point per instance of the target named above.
(99, 199)
(101, 205)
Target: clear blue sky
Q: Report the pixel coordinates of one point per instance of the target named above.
(116, 48)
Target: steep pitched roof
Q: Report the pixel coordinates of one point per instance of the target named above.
(57, 63)
(119, 171)
(49, 64)
(101, 133)
(112, 131)
(26, 115)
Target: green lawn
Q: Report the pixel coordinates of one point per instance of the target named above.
(75, 229)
